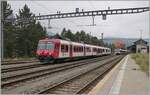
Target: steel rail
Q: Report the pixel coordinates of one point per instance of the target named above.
(17, 62)
(5, 70)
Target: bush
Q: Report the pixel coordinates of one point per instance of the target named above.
(142, 60)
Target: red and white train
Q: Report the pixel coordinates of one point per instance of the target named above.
(53, 49)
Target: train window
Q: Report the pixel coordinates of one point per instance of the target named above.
(64, 48)
(80, 49)
(75, 49)
(103, 50)
(99, 50)
(88, 49)
(94, 49)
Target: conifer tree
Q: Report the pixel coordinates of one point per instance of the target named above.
(29, 33)
(9, 36)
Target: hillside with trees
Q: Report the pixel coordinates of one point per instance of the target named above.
(84, 37)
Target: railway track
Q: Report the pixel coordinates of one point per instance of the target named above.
(81, 82)
(11, 68)
(10, 80)
(21, 67)
(17, 62)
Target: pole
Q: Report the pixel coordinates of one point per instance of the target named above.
(2, 30)
(90, 38)
(102, 35)
(141, 34)
(93, 20)
(49, 25)
(102, 38)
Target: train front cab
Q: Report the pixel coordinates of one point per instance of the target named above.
(47, 51)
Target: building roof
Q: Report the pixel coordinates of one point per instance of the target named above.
(130, 46)
(140, 41)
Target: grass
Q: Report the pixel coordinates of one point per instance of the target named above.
(142, 60)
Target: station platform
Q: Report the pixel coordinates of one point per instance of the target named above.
(125, 78)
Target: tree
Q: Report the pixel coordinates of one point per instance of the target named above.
(77, 36)
(68, 34)
(63, 32)
(29, 33)
(81, 36)
(8, 36)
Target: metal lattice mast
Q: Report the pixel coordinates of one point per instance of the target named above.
(102, 13)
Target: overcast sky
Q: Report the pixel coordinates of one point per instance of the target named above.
(126, 26)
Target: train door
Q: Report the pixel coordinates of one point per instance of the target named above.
(71, 54)
(57, 50)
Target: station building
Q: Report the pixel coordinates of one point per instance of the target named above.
(139, 46)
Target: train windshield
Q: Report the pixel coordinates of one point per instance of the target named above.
(50, 46)
(47, 46)
(41, 46)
